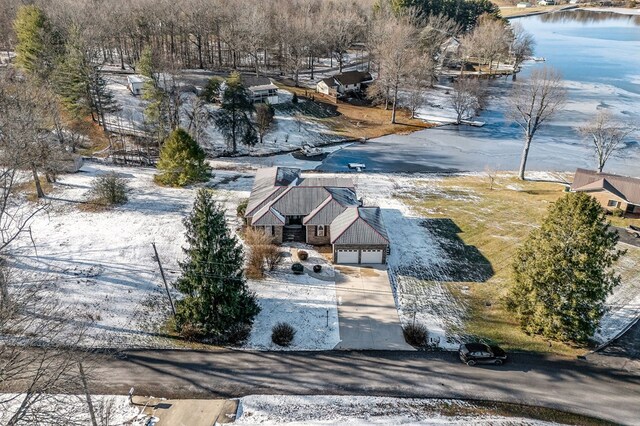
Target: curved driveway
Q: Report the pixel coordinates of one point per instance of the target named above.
(570, 385)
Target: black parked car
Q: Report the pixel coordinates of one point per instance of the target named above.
(479, 353)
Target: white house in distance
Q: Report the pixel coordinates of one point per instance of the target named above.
(262, 89)
(135, 83)
(350, 81)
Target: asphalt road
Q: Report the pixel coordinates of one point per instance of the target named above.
(570, 385)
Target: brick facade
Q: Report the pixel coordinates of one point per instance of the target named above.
(277, 232)
(312, 238)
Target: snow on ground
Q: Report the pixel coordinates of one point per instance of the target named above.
(293, 125)
(620, 10)
(417, 262)
(102, 262)
(624, 303)
(365, 410)
(305, 302)
(437, 106)
(113, 410)
(5, 57)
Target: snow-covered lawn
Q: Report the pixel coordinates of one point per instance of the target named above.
(291, 128)
(101, 263)
(364, 410)
(306, 303)
(624, 304)
(113, 410)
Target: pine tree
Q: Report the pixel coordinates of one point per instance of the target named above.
(79, 83)
(233, 119)
(158, 116)
(182, 161)
(563, 271)
(38, 45)
(217, 304)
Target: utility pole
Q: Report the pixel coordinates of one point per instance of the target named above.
(166, 286)
(94, 422)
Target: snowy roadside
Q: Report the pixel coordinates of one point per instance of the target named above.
(365, 410)
(113, 410)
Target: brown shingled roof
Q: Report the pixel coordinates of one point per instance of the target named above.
(627, 188)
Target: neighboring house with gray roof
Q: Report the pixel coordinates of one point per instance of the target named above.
(611, 191)
(317, 210)
(350, 81)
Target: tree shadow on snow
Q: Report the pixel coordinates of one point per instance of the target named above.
(465, 263)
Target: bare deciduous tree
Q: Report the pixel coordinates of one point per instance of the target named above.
(395, 50)
(606, 135)
(39, 355)
(466, 97)
(522, 46)
(532, 103)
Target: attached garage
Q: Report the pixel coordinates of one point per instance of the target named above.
(371, 256)
(347, 256)
(358, 236)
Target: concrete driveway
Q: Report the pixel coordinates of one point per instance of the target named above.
(366, 310)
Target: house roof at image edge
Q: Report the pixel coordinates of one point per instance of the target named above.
(627, 188)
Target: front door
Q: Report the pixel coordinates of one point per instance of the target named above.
(294, 220)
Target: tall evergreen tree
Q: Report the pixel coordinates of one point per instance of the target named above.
(182, 161)
(79, 83)
(37, 43)
(217, 303)
(161, 113)
(563, 271)
(233, 119)
(464, 12)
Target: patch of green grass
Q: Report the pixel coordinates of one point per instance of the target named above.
(481, 229)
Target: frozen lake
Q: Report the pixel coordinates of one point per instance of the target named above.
(598, 54)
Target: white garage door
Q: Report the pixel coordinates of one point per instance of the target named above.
(371, 256)
(347, 256)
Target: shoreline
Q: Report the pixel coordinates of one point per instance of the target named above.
(619, 10)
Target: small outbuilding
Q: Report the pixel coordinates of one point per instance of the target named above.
(135, 84)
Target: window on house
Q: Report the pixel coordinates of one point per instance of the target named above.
(613, 203)
(270, 230)
(320, 231)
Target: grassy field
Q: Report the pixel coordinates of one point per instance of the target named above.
(495, 222)
(509, 11)
(355, 122)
